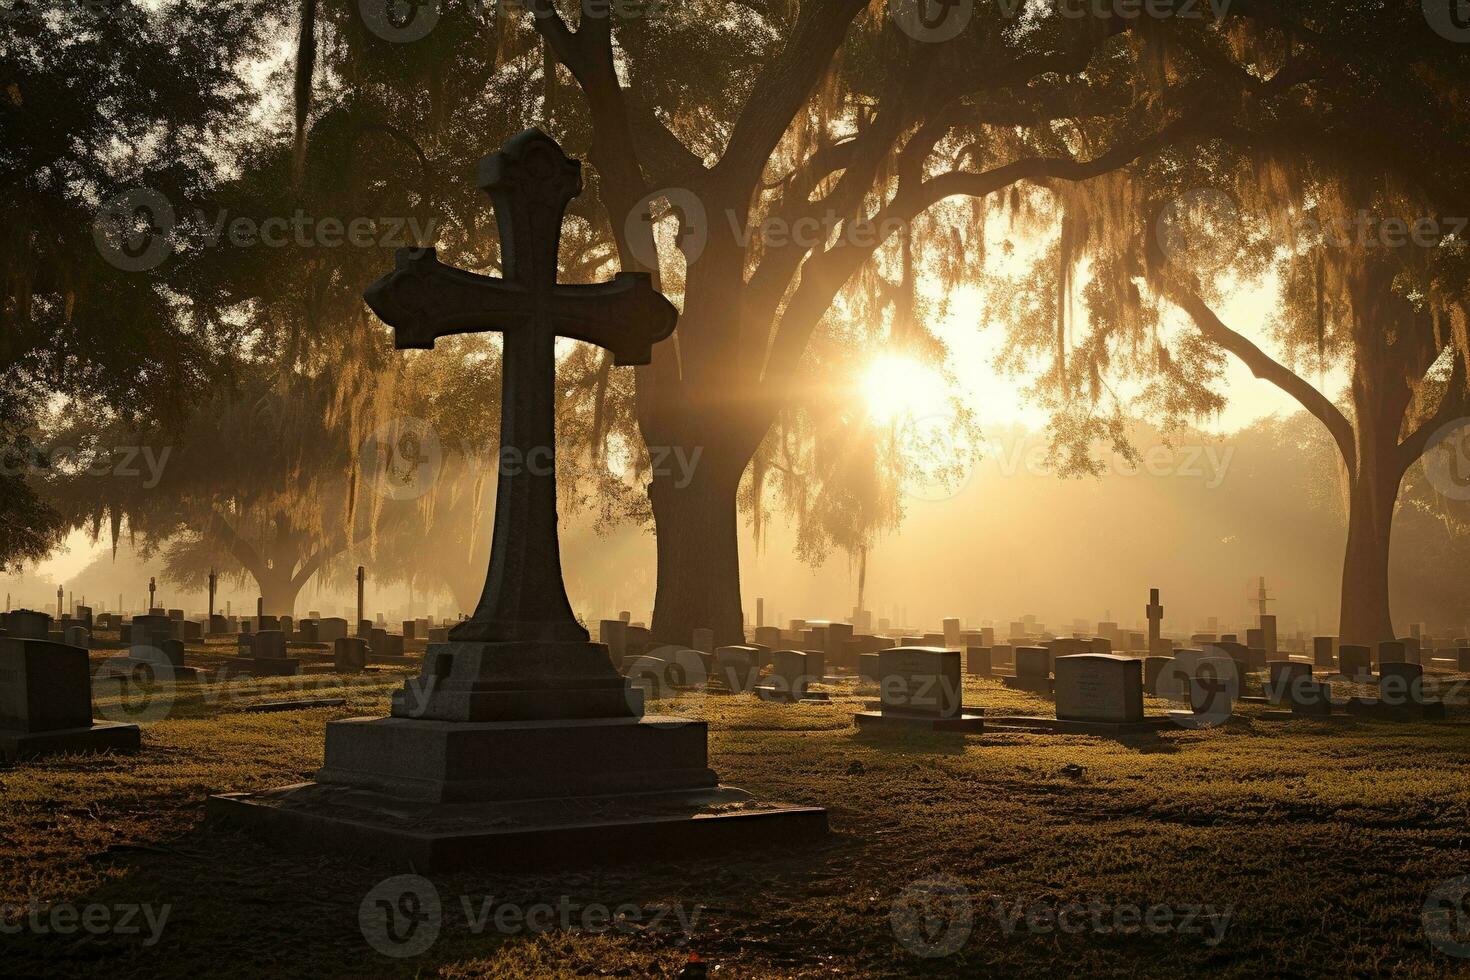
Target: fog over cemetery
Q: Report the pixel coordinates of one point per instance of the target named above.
(777, 488)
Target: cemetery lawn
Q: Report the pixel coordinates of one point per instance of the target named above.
(1321, 841)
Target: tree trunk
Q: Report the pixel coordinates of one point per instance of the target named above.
(698, 549)
(279, 593)
(1365, 618)
(1379, 399)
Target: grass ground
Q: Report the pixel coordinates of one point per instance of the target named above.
(1313, 844)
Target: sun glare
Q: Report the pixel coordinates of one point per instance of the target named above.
(899, 387)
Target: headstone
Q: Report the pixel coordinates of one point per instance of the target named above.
(614, 634)
(768, 636)
(839, 636)
(920, 687)
(219, 625)
(26, 624)
(77, 636)
(1268, 636)
(1153, 670)
(977, 661)
(1155, 613)
(269, 645)
(1282, 675)
(1401, 682)
(790, 678)
(1462, 659)
(1393, 651)
(168, 656)
(1096, 687)
(46, 703)
(349, 654)
(331, 629)
(1354, 661)
(952, 633)
(1033, 670)
(1324, 651)
(409, 626)
(738, 667)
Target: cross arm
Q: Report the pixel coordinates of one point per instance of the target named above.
(422, 300)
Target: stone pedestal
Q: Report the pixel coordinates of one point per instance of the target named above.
(516, 755)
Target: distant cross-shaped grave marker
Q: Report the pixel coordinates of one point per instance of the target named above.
(531, 182)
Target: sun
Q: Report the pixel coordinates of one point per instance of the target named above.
(897, 387)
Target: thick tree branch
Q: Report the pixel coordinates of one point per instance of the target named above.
(1454, 404)
(780, 92)
(1261, 364)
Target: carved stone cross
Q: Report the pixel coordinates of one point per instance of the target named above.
(531, 182)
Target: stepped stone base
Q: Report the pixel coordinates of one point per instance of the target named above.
(517, 755)
(518, 835)
(502, 760)
(104, 736)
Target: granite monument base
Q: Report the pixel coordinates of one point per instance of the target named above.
(518, 834)
(103, 736)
